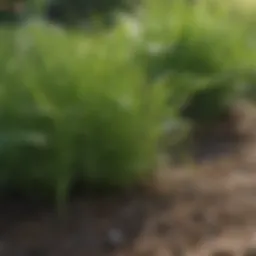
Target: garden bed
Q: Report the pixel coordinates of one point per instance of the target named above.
(211, 203)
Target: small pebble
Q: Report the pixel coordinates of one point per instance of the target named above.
(115, 238)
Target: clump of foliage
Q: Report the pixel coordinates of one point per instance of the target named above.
(205, 50)
(93, 108)
(71, 109)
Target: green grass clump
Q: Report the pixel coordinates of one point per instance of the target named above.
(75, 107)
(92, 108)
(205, 52)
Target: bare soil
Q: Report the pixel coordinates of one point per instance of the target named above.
(205, 207)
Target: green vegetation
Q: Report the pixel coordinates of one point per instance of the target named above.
(205, 54)
(71, 108)
(92, 106)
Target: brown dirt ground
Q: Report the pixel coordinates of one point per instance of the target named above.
(193, 209)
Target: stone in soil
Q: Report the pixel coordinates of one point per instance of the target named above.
(115, 238)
